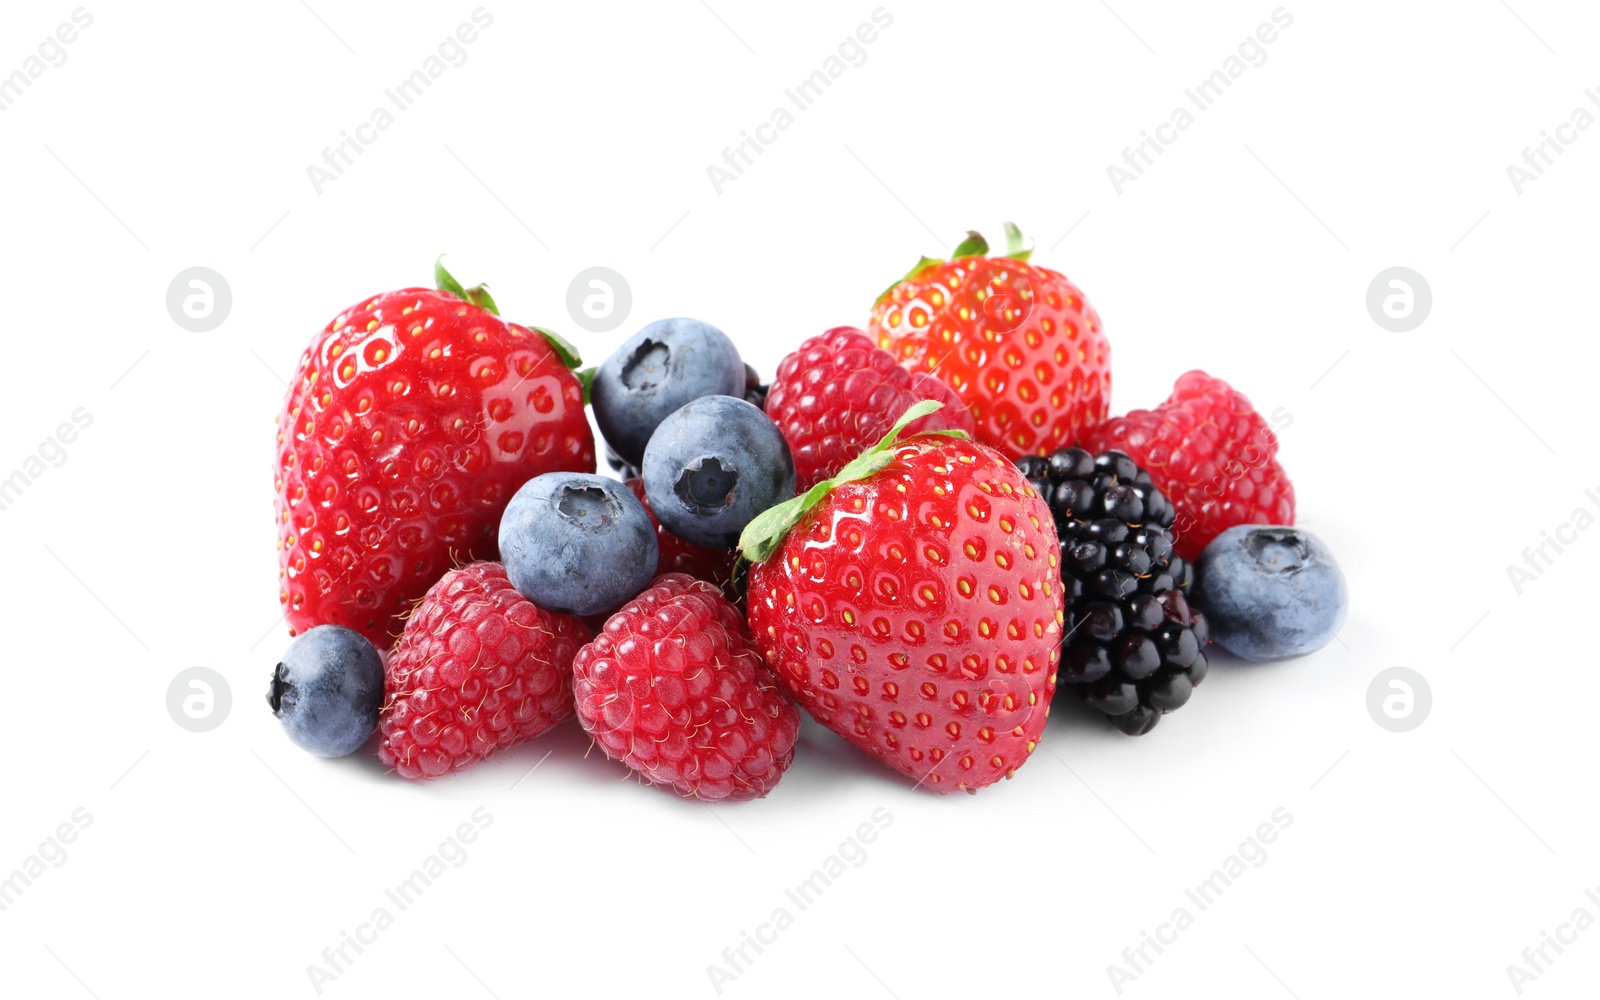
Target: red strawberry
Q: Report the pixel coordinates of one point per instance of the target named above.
(1211, 453)
(916, 609)
(673, 688)
(679, 556)
(414, 417)
(1019, 344)
(836, 395)
(478, 669)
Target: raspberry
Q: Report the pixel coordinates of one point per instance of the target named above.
(479, 668)
(1211, 453)
(838, 393)
(673, 688)
(1132, 648)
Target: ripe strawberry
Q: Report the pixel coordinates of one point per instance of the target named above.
(679, 556)
(673, 688)
(1211, 453)
(414, 417)
(916, 609)
(1018, 343)
(837, 394)
(479, 668)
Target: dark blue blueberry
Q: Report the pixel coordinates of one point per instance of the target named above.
(656, 371)
(327, 691)
(577, 544)
(712, 466)
(1270, 592)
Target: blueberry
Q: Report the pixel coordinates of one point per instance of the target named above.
(577, 544)
(712, 466)
(1270, 592)
(327, 690)
(654, 372)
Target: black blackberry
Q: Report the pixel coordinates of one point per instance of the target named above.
(624, 470)
(754, 392)
(1133, 647)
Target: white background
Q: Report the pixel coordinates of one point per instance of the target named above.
(1374, 135)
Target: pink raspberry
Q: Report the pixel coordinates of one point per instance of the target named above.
(479, 668)
(673, 688)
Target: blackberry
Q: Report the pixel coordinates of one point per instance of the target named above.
(1133, 648)
(755, 393)
(625, 470)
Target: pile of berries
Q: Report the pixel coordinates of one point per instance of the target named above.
(914, 533)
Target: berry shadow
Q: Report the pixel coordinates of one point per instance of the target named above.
(825, 766)
(565, 753)
(1071, 716)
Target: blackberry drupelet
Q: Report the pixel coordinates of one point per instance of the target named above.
(755, 393)
(624, 469)
(1133, 648)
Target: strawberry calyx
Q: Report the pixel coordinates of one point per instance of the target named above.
(586, 379)
(479, 296)
(762, 536)
(973, 246)
(921, 265)
(564, 349)
(1014, 248)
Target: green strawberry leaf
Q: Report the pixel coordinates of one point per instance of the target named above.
(973, 246)
(586, 379)
(445, 281)
(763, 535)
(921, 265)
(1014, 247)
(563, 347)
(478, 295)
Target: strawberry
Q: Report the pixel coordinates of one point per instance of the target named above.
(414, 417)
(913, 605)
(838, 393)
(1018, 343)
